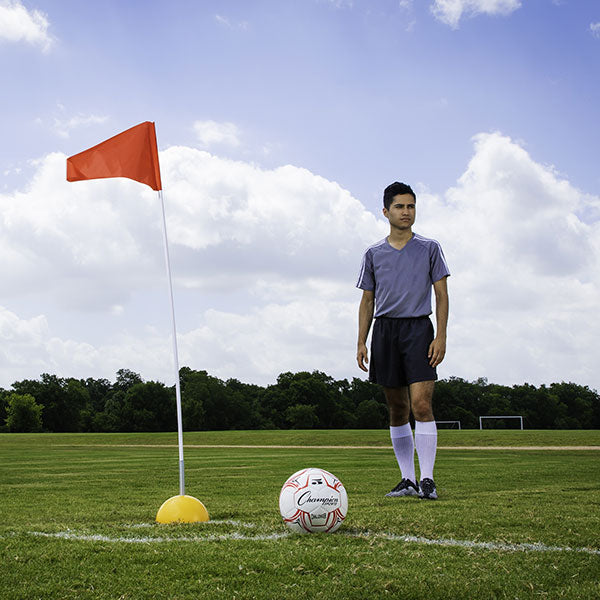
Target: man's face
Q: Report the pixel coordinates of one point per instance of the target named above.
(402, 211)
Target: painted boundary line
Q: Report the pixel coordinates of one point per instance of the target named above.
(502, 546)
(407, 539)
(281, 447)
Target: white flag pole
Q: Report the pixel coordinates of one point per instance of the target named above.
(175, 354)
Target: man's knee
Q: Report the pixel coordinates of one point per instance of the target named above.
(398, 404)
(421, 396)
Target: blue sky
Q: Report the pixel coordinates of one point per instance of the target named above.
(279, 124)
(352, 91)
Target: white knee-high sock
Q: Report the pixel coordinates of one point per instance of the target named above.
(426, 444)
(404, 449)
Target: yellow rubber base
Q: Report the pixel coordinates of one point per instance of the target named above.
(182, 509)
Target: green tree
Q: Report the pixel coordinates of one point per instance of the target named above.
(111, 419)
(582, 406)
(62, 399)
(302, 416)
(370, 414)
(24, 414)
(99, 391)
(3, 406)
(193, 393)
(126, 379)
(149, 406)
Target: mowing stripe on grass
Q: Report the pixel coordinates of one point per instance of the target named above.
(281, 447)
(392, 537)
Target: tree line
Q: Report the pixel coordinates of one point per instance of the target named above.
(300, 400)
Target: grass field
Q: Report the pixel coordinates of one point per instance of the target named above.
(78, 517)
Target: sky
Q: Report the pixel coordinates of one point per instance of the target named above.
(279, 124)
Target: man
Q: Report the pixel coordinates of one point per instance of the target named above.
(396, 276)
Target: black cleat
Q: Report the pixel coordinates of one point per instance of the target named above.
(405, 488)
(427, 489)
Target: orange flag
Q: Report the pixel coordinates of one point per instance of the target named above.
(132, 154)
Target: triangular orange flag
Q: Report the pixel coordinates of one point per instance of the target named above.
(132, 154)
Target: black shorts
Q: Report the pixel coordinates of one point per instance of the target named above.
(399, 350)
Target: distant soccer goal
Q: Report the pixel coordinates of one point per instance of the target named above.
(452, 424)
(500, 417)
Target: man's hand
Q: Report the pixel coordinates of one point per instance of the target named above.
(362, 357)
(437, 351)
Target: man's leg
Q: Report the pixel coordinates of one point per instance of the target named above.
(402, 439)
(398, 405)
(421, 395)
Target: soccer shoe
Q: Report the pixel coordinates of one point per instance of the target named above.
(405, 488)
(427, 489)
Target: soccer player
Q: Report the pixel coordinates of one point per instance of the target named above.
(396, 276)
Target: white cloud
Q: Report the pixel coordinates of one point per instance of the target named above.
(64, 126)
(278, 242)
(211, 133)
(450, 12)
(525, 263)
(62, 123)
(58, 236)
(29, 348)
(339, 4)
(303, 334)
(595, 29)
(225, 22)
(265, 262)
(18, 24)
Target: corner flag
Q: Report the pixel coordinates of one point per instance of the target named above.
(132, 154)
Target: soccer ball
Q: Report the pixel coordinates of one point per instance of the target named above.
(313, 500)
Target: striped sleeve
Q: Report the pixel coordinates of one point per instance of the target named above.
(438, 264)
(366, 281)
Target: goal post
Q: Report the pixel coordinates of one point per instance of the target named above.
(500, 417)
(452, 423)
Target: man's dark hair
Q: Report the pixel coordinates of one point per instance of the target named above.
(393, 190)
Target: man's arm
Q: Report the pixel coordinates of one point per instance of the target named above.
(437, 348)
(365, 318)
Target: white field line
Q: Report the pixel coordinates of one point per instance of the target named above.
(392, 537)
(71, 535)
(282, 447)
(211, 522)
(506, 547)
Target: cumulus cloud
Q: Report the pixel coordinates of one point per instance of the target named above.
(57, 236)
(29, 348)
(451, 12)
(265, 238)
(265, 262)
(595, 29)
(19, 24)
(524, 261)
(211, 133)
(303, 334)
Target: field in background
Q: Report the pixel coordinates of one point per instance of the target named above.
(78, 514)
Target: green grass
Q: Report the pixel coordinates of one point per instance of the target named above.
(102, 485)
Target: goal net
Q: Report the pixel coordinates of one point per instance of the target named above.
(501, 417)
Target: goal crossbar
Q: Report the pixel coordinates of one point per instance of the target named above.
(457, 422)
(500, 417)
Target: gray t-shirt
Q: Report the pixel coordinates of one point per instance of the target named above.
(402, 279)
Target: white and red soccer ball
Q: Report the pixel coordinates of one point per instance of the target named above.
(313, 500)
